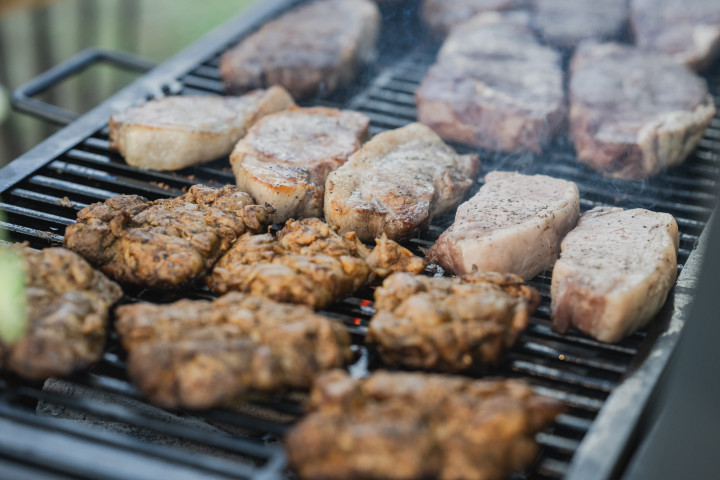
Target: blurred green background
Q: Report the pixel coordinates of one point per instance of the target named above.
(37, 34)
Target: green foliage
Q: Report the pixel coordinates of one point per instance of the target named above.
(13, 307)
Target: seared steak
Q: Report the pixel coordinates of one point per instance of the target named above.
(176, 132)
(311, 50)
(564, 23)
(615, 271)
(67, 313)
(634, 113)
(687, 30)
(449, 324)
(286, 157)
(514, 224)
(168, 242)
(418, 425)
(306, 262)
(494, 86)
(442, 15)
(201, 354)
(396, 183)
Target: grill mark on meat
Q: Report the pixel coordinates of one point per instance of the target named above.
(418, 425)
(67, 313)
(165, 243)
(449, 324)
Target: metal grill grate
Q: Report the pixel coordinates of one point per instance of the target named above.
(244, 444)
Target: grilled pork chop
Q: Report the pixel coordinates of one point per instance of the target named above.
(449, 324)
(442, 15)
(418, 425)
(514, 224)
(494, 86)
(286, 157)
(67, 313)
(634, 113)
(396, 183)
(564, 23)
(176, 132)
(312, 50)
(307, 262)
(687, 30)
(168, 242)
(201, 354)
(615, 271)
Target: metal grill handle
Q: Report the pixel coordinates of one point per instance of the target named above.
(22, 96)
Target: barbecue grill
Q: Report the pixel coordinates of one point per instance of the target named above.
(96, 425)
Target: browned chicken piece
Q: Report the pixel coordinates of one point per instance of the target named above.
(397, 183)
(495, 86)
(688, 31)
(67, 313)
(286, 157)
(202, 354)
(634, 113)
(313, 49)
(442, 15)
(418, 425)
(449, 324)
(614, 272)
(514, 224)
(168, 242)
(176, 132)
(306, 262)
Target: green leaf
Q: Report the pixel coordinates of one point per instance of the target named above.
(13, 304)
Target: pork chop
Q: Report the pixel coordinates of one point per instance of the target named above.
(634, 113)
(449, 324)
(687, 30)
(396, 183)
(614, 272)
(514, 224)
(495, 86)
(442, 15)
(564, 23)
(176, 132)
(313, 49)
(286, 157)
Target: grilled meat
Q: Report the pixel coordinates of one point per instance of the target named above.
(176, 132)
(306, 262)
(615, 271)
(168, 242)
(564, 23)
(688, 30)
(494, 86)
(67, 312)
(201, 354)
(442, 15)
(514, 224)
(396, 183)
(449, 324)
(286, 157)
(418, 425)
(634, 113)
(314, 49)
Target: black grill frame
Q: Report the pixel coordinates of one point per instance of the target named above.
(591, 442)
